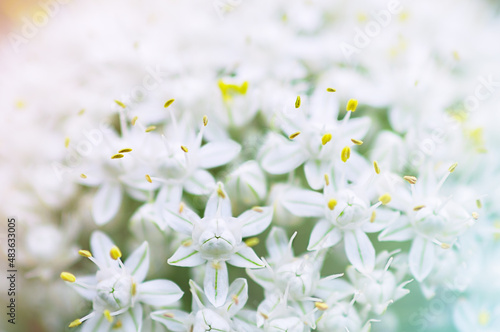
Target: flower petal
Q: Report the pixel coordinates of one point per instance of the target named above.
(174, 320)
(421, 258)
(237, 296)
(132, 319)
(85, 286)
(106, 203)
(186, 256)
(315, 171)
(359, 250)
(218, 203)
(324, 235)
(216, 284)
(200, 300)
(281, 156)
(255, 221)
(180, 218)
(400, 230)
(218, 153)
(277, 245)
(100, 245)
(97, 323)
(304, 203)
(137, 264)
(246, 257)
(159, 292)
(200, 183)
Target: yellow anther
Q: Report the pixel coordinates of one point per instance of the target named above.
(322, 306)
(85, 253)
(332, 203)
(330, 90)
(169, 315)
(118, 324)
(295, 134)
(184, 148)
(20, 104)
(230, 90)
(220, 192)
(452, 167)
(216, 265)
(122, 105)
(134, 120)
(117, 156)
(81, 111)
(475, 215)
(187, 242)
(181, 207)
(351, 105)
(346, 153)
(456, 56)
(133, 289)
(148, 178)
(326, 138)
(150, 128)
(410, 179)
(257, 209)
(115, 253)
(356, 141)
(168, 103)
(75, 323)
(479, 204)
(83, 176)
(377, 168)
(205, 120)
(373, 216)
(66, 142)
(418, 207)
(385, 199)
(125, 150)
(327, 179)
(69, 277)
(484, 318)
(264, 315)
(445, 245)
(107, 314)
(297, 102)
(252, 242)
(235, 299)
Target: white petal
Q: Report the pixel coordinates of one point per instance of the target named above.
(87, 290)
(218, 203)
(100, 245)
(200, 183)
(400, 230)
(186, 256)
(255, 221)
(315, 173)
(237, 296)
(357, 127)
(421, 258)
(277, 244)
(159, 292)
(132, 319)
(324, 235)
(200, 300)
(282, 157)
(107, 202)
(98, 323)
(383, 218)
(263, 277)
(304, 203)
(182, 221)
(216, 284)
(359, 250)
(137, 264)
(246, 257)
(218, 153)
(174, 320)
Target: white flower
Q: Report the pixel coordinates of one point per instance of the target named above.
(217, 239)
(117, 286)
(247, 183)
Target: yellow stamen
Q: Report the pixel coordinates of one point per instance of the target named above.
(452, 167)
(292, 136)
(297, 102)
(115, 253)
(133, 289)
(66, 142)
(346, 153)
(168, 103)
(332, 203)
(351, 105)
(183, 148)
(134, 120)
(356, 141)
(375, 165)
(330, 90)
(373, 216)
(118, 325)
(187, 242)
(205, 120)
(107, 314)
(410, 179)
(81, 111)
(117, 156)
(385, 199)
(85, 253)
(181, 207)
(235, 299)
(252, 242)
(326, 138)
(445, 245)
(83, 176)
(169, 315)
(20, 104)
(66, 276)
(327, 180)
(264, 315)
(125, 150)
(479, 204)
(257, 209)
(75, 323)
(418, 207)
(220, 192)
(230, 90)
(150, 128)
(475, 215)
(148, 178)
(484, 318)
(122, 105)
(216, 265)
(322, 306)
